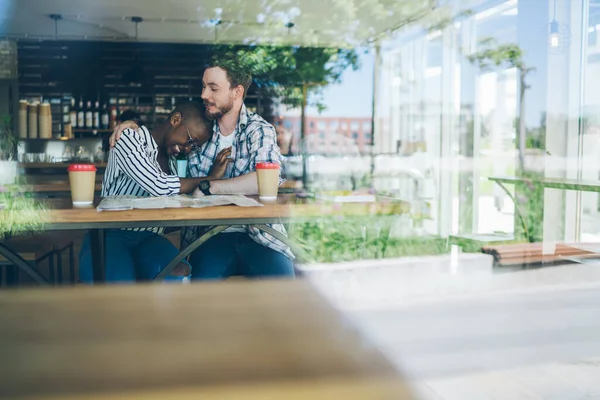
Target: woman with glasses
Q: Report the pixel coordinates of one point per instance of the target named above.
(142, 163)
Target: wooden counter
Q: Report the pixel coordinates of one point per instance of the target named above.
(231, 340)
(53, 165)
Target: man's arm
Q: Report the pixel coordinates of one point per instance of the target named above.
(134, 161)
(244, 184)
(263, 148)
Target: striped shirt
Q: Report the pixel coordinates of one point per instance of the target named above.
(254, 141)
(133, 169)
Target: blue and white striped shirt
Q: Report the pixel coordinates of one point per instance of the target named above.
(133, 169)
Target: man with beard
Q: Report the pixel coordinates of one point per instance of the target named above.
(240, 140)
(142, 164)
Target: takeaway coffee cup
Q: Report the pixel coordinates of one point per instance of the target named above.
(268, 180)
(83, 181)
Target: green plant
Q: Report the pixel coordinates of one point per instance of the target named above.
(334, 239)
(9, 140)
(20, 212)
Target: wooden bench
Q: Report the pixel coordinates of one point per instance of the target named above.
(35, 250)
(474, 242)
(533, 253)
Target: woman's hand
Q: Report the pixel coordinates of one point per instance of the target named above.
(119, 129)
(220, 164)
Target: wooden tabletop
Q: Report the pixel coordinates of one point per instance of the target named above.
(62, 215)
(231, 340)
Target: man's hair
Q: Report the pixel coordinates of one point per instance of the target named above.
(194, 112)
(237, 73)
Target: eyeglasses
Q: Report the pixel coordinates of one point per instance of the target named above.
(191, 143)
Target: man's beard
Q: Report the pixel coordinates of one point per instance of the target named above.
(220, 110)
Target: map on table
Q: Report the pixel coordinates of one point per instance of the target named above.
(116, 203)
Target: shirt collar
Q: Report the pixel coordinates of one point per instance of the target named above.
(242, 121)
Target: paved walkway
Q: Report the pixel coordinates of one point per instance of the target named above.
(469, 333)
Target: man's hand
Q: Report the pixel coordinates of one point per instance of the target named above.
(119, 129)
(220, 164)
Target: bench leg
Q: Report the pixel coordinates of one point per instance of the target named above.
(51, 272)
(21, 264)
(72, 263)
(187, 251)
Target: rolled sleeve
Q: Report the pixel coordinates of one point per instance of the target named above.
(264, 148)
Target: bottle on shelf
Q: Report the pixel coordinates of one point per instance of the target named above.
(80, 115)
(66, 115)
(113, 117)
(73, 114)
(97, 115)
(89, 116)
(105, 117)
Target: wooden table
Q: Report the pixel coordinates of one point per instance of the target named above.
(61, 215)
(231, 340)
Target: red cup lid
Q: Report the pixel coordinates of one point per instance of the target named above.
(267, 165)
(82, 168)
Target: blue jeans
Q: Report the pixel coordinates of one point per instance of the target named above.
(235, 253)
(130, 256)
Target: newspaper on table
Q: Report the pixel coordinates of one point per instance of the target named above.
(116, 203)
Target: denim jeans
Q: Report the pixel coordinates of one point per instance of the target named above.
(235, 253)
(130, 256)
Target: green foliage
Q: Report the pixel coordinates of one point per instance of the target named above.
(281, 71)
(506, 55)
(347, 239)
(20, 212)
(9, 140)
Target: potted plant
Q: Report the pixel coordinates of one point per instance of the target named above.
(9, 140)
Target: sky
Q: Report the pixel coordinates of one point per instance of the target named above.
(352, 97)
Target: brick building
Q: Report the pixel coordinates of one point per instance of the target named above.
(329, 134)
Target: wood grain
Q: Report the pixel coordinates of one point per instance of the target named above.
(56, 186)
(243, 339)
(287, 207)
